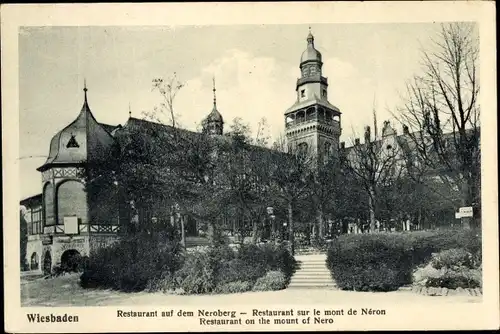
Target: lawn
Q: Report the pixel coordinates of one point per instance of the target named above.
(65, 291)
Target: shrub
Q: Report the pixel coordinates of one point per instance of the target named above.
(234, 270)
(221, 269)
(426, 243)
(452, 268)
(201, 270)
(130, 263)
(267, 257)
(459, 277)
(386, 261)
(273, 280)
(423, 273)
(196, 275)
(369, 262)
(234, 287)
(455, 257)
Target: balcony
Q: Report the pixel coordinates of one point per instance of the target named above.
(82, 229)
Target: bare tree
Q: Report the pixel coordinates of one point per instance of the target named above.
(442, 111)
(291, 175)
(372, 165)
(262, 136)
(168, 89)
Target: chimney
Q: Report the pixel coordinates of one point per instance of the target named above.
(342, 145)
(367, 134)
(356, 141)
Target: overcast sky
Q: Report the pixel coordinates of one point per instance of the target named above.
(255, 67)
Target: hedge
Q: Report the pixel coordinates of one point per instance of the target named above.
(129, 264)
(223, 270)
(386, 261)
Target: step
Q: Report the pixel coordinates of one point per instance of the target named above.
(308, 285)
(313, 287)
(304, 266)
(312, 277)
(319, 283)
(312, 280)
(322, 283)
(312, 273)
(312, 261)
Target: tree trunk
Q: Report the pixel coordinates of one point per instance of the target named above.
(320, 222)
(312, 234)
(466, 200)
(371, 208)
(183, 232)
(211, 233)
(254, 231)
(290, 228)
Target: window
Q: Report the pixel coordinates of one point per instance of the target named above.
(302, 148)
(389, 147)
(34, 262)
(324, 92)
(303, 93)
(72, 142)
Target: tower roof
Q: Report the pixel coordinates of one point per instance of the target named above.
(310, 53)
(81, 141)
(215, 115)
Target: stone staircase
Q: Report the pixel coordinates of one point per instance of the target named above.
(312, 273)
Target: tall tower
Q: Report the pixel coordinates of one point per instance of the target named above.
(312, 124)
(214, 123)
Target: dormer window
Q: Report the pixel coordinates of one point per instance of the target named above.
(72, 143)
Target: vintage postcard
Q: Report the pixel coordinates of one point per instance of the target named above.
(249, 167)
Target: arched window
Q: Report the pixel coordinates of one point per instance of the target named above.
(328, 116)
(303, 148)
(71, 201)
(48, 204)
(311, 114)
(34, 264)
(300, 117)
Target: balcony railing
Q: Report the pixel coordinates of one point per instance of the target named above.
(83, 229)
(300, 122)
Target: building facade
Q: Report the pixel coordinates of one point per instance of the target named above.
(63, 223)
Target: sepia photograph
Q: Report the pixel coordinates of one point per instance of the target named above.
(179, 171)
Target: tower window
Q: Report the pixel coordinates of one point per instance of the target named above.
(303, 93)
(72, 142)
(324, 92)
(303, 149)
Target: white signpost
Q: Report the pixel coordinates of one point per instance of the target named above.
(464, 212)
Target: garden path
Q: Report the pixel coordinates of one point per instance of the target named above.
(312, 273)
